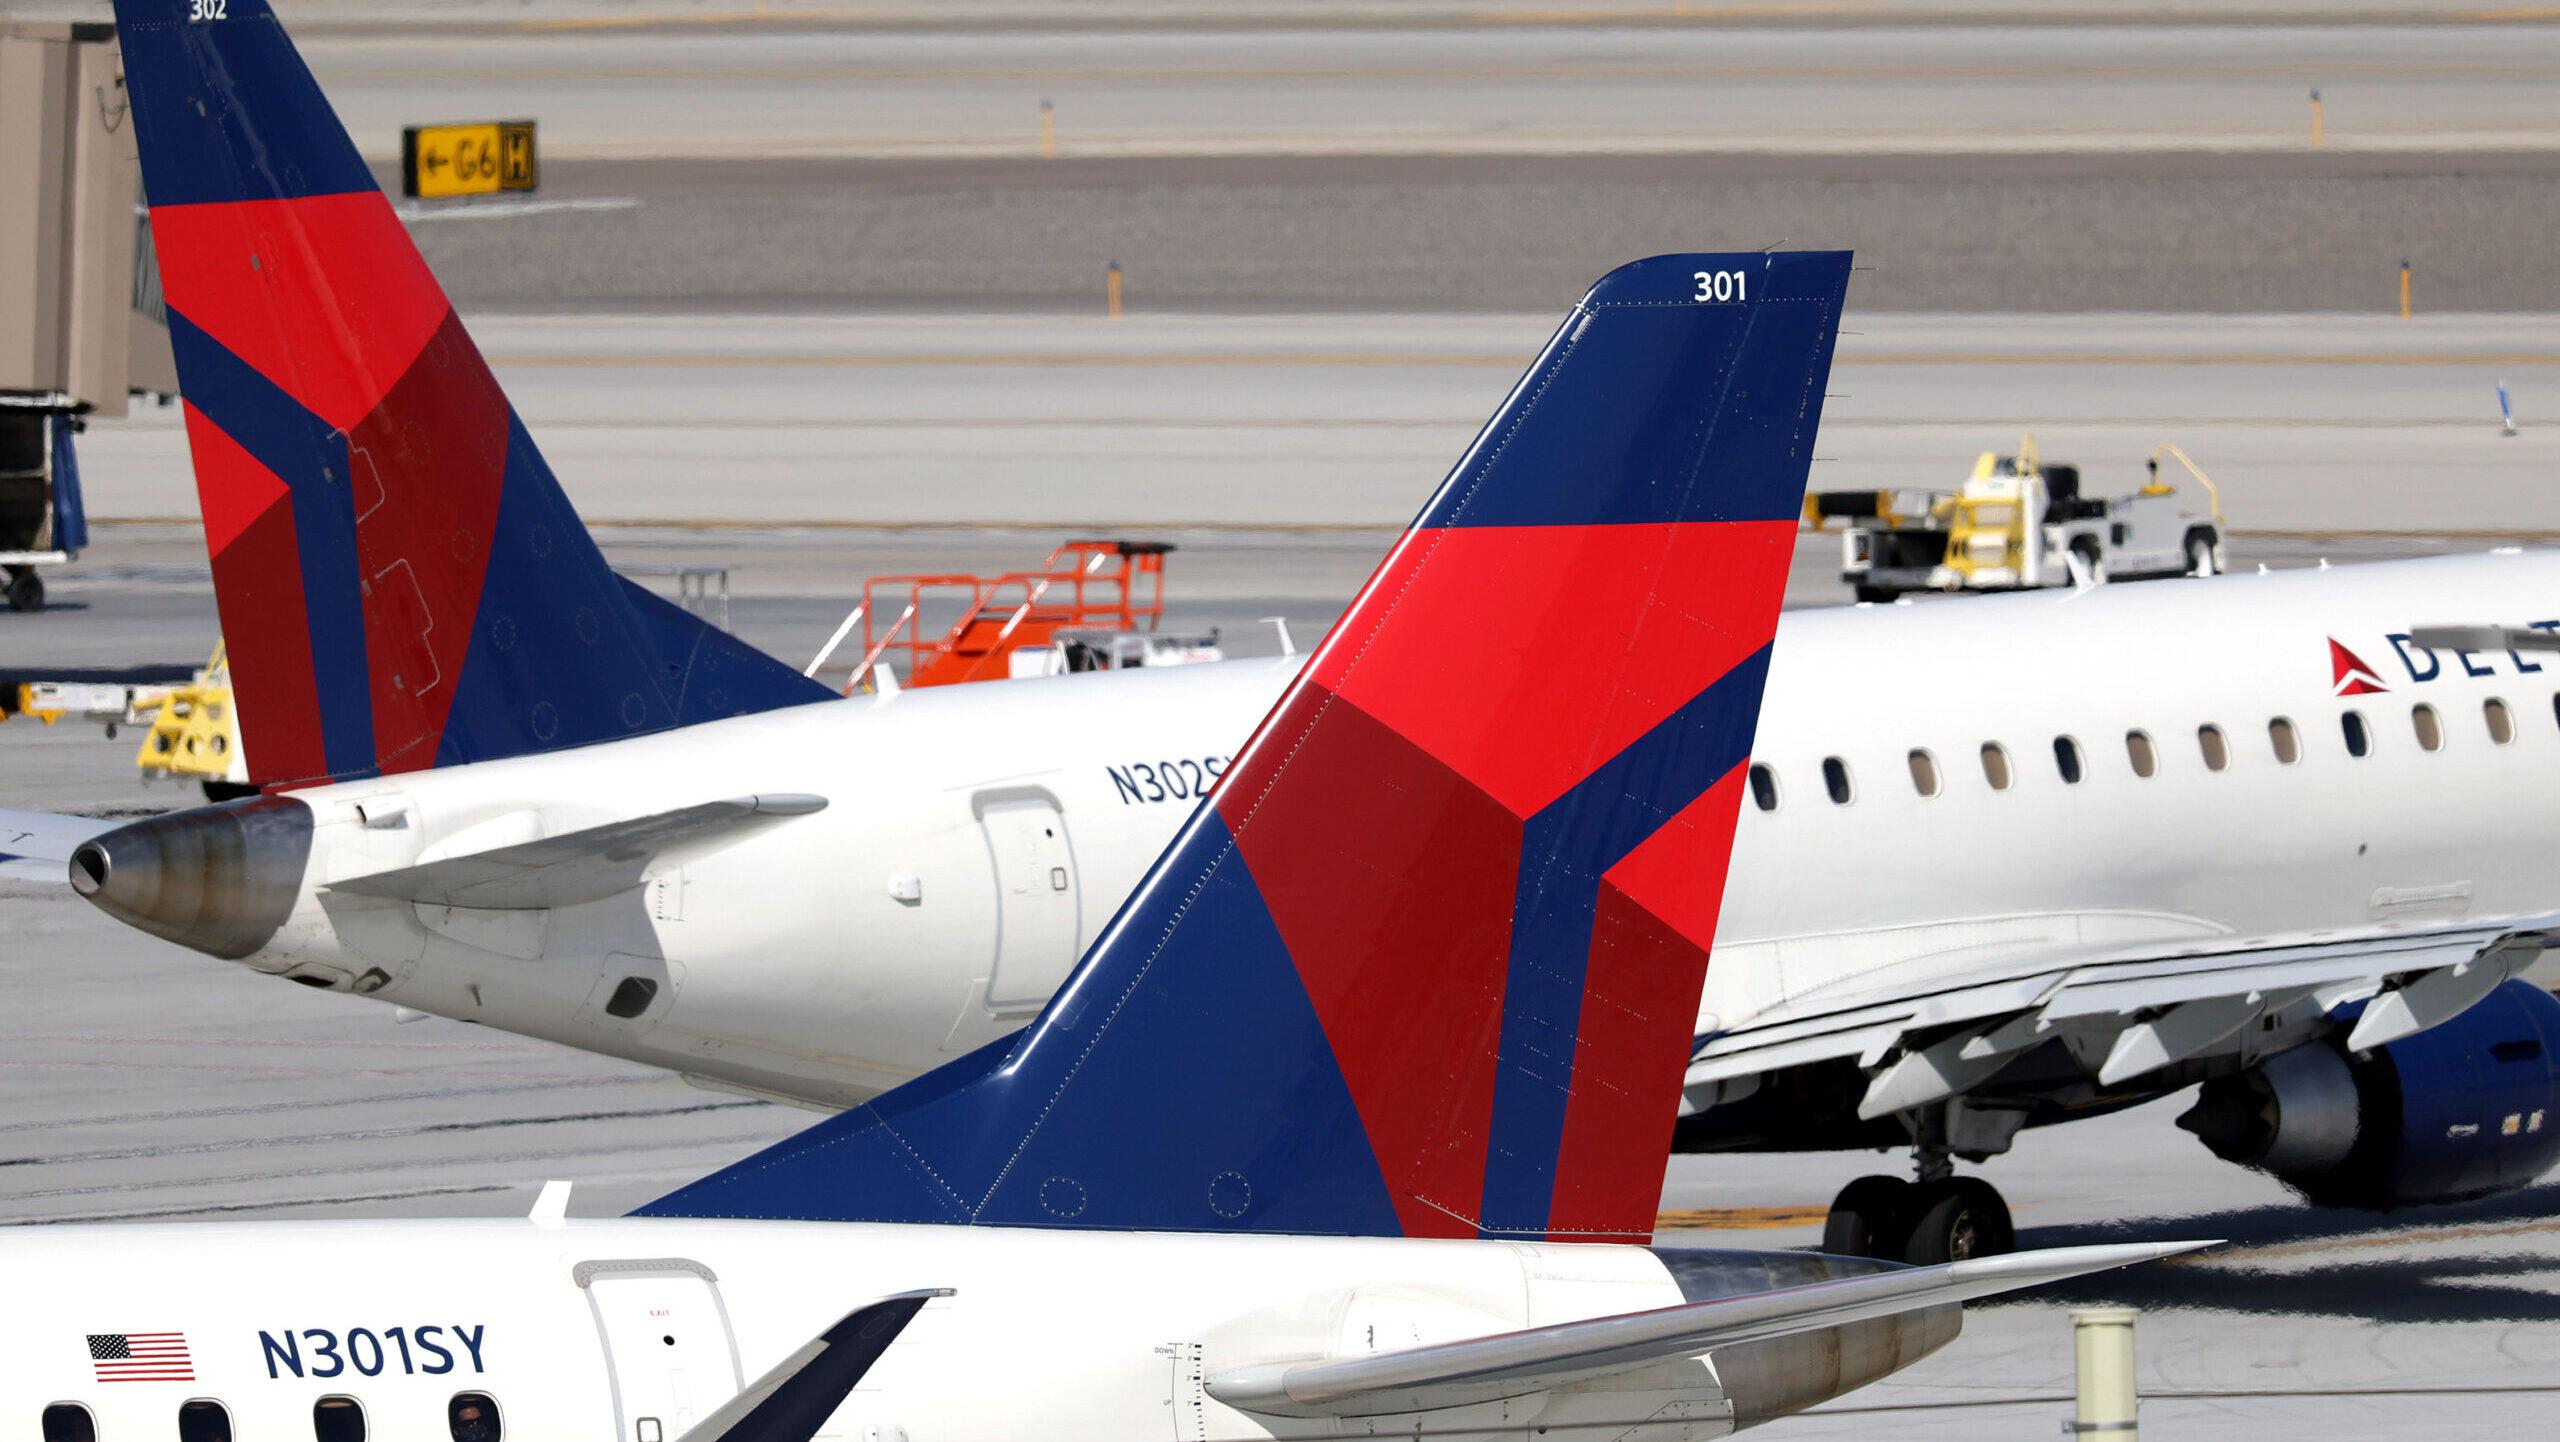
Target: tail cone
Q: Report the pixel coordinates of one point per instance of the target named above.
(220, 879)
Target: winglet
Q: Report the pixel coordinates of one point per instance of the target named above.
(793, 1400)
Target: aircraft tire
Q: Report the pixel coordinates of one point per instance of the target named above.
(1877, 595)
(2201, 560)
(1955, 1219)
(1869, 1218)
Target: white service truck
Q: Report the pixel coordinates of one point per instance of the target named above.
(2017, 523)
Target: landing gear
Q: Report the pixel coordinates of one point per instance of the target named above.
(25, 589)
(2204, 555)
(1940, 1219)
(1867, 1218)
(1958, 1218)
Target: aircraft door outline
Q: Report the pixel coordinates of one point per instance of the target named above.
(670, 1352)
(1039, 921)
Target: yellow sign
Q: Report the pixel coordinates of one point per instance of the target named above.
(437, 161)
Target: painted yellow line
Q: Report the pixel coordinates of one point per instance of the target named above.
(2515, 12)
(779, 360)
(1723, 1219)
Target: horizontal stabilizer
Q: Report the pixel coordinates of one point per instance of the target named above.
(792, 1401)
(576, 866)
(1513, 1364)
(37, 845)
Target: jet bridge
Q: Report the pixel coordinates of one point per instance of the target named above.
(81, 322)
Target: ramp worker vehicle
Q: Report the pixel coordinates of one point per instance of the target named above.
(2017, 524)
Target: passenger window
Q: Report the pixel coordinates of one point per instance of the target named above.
(203, 1421)
(2217, 754)
(69, 1422)
(2422, 719)
(2351, 724)
(338, 1419)
(1995, 765)
(1924, 773)
(1764, 788)
(2137, 749)
(2286, 741)
(473, 1417)
(1835, 779)
(2502, 726)
(2066, 759)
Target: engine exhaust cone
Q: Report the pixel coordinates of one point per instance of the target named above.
(219, 879)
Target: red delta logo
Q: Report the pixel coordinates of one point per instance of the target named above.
(2349, 675)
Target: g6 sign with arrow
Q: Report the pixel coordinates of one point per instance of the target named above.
(485, 158)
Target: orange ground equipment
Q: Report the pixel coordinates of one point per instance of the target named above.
(1084, 586)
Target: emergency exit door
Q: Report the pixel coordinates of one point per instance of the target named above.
(666, 1341)
(1037, 914)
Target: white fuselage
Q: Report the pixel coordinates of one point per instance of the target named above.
(978, 837)
(588, 1330)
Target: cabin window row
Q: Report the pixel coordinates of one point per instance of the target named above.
(469, 1417)
(2142, 755)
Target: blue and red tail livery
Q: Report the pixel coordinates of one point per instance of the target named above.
(402, 583)
(1427, 962)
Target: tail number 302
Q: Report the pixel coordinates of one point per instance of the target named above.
(201, 10)
(1712, 284)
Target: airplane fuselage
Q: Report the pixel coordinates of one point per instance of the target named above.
(637, 1329)
(977, 838)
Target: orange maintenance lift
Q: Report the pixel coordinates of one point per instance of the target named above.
(1105, 587)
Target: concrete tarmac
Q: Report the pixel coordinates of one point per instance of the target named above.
(1238, 423)
(747, 90)
(2299, 230)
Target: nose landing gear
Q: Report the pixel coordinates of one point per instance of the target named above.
(1940, 1217)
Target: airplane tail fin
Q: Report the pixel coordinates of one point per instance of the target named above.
(1427, 961)
(402, 582)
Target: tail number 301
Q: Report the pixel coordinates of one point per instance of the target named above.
(1712, 284)
(201, 10)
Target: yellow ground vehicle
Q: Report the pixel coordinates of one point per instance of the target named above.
(193, 731)
(2018, 523)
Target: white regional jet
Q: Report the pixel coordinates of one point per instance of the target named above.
(2006, 862)
(1351, 1123)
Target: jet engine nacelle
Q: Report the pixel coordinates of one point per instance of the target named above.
(2465, 1109)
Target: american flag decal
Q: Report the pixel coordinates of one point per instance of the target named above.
(141, 1357)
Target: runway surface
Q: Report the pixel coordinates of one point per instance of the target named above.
(1480, 86)
(2114, 230)
(2308, 424)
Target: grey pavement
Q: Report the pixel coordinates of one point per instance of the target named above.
(2320, 424)
(2105, 231)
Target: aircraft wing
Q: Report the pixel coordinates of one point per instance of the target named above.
(2162, 1002)
(793, 1400)
(1512, 1364)
(37, 845)
(575, 866)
